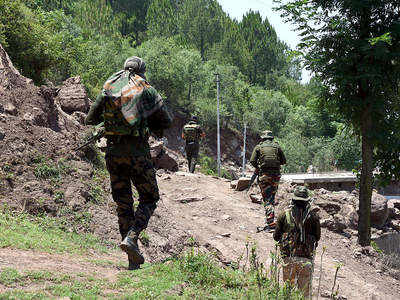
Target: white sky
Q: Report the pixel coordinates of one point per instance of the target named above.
(236, 9)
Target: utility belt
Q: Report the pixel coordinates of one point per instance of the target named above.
(124, 139)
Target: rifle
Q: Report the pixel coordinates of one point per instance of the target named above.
(253, 178)
(97, 135)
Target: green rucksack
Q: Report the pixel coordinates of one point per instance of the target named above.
(291, 243)
(191, 132)
(129, 100)
(269, 155)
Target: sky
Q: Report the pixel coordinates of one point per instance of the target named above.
(237, 8)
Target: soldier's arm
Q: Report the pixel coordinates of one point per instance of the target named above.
(254, 157)
(316, 227)
(279, 227)
(95, 114)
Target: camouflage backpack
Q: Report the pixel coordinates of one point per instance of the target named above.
(291, 243)
(269, 155)
(129, 100)
(191, 132)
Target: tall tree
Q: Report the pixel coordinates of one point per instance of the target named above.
(200, 24)
(162, 18)
(353, 46)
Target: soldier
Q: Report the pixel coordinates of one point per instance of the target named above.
(192, 133)
(131, 109)
(297, 233)
(267, 158)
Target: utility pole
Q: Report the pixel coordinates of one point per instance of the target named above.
(218, 134)
(244, 150)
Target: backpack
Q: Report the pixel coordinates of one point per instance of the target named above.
(129, 100)
(291, 244)
(269, 155)
(191, 132)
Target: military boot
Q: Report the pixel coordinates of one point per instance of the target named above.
(132, 264)
(130, 246)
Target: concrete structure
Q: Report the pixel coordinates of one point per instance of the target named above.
(334, 181)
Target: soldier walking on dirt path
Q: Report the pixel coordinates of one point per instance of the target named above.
(131, 110)
(297, 232)
(267, 158)
(192, 133)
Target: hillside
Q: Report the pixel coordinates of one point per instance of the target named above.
(58, 217)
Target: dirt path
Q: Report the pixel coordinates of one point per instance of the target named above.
(225, 220)
(207, 212)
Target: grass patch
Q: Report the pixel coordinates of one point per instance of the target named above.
(22, 231)
(208, 166)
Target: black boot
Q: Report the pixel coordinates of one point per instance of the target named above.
(132, 264)
(130, 246)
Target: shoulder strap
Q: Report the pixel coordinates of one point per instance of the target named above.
(289, 218)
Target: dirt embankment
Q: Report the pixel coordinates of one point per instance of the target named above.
(40, 174)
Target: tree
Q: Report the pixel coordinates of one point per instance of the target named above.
(353, 48)
(200, 24)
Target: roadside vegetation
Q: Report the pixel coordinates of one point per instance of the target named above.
(190, 275)
(260, 75)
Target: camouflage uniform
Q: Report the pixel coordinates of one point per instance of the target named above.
(131, 109)
(192, 146)
(297, 232)
(268, 174)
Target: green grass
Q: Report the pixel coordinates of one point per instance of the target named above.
(191, 276)
(22, 231)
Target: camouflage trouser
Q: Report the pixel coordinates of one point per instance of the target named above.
(269, 186)
(192, 153)
(138, 170)
(298, 272)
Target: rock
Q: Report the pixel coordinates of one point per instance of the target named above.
(234, 184)
(379, 210)
(256, 198)
(72, 96)
(226, 217)
(330, 207)
(10, 109)
(74, 197)
(191, 199)
(162, 158)
(243, 183)
(395, 224)
(335, 223)
(79, 116)
(2, 134)
(393, 207)
(226, 234)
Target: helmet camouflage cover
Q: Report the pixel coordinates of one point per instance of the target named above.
(267, 134)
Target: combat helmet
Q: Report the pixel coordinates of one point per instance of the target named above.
(267, 134)
(135, 65)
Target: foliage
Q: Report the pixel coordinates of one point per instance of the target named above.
(352, 46)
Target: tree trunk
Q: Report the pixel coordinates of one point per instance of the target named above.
(364, 220)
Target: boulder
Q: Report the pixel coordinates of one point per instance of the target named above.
(162, 158)
(393, 207)
(10, 109)
(379, 210)
(74, 197)
(72, 96)
(335, 223)
(243, 183)
(234, 184)
(255, 198)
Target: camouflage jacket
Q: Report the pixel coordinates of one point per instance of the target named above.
(131, 109)
(256, 158)
(312, 232)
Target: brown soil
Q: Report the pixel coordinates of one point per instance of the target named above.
(194, 209)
